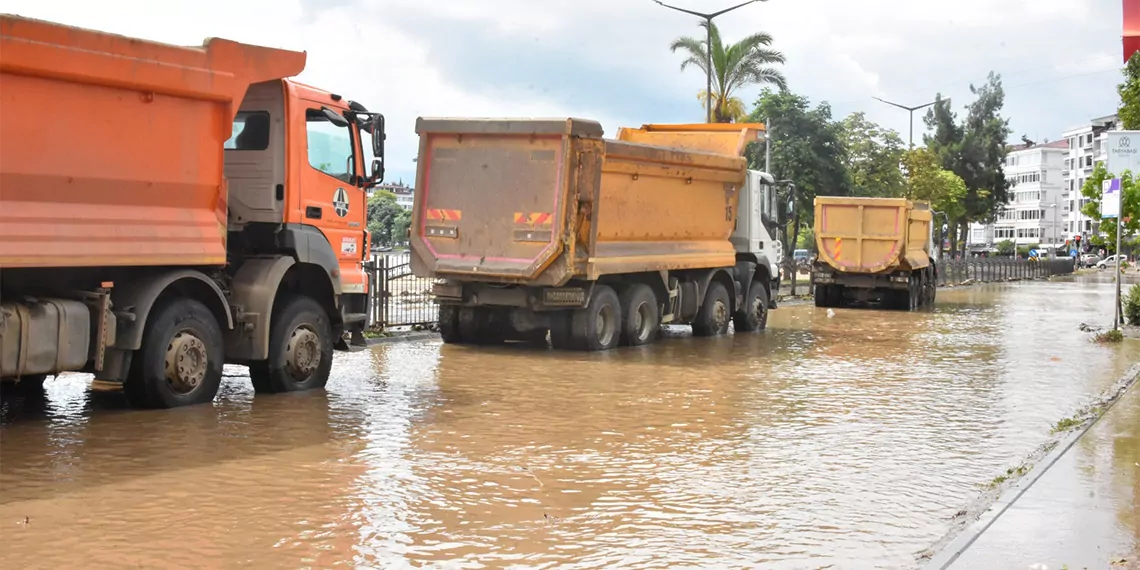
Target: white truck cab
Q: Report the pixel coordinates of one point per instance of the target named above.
(757, 222)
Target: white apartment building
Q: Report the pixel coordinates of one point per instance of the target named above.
(405, 195)
(1086, 148)
(1035, 212)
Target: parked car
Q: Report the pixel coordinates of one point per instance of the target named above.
(1110, 261)
(1089, 260)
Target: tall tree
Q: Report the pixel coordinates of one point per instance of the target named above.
(387, 221)
(975, 151)
(807, 148)
(744, 63)
(1129, 92)
(927, 180)
(873, 157)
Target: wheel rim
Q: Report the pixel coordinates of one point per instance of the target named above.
(643, 321)
(758, 308)
(185, 362)
(720, 314)
(302, 353)
(605, 324)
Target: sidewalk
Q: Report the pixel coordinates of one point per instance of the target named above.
(1084, 512)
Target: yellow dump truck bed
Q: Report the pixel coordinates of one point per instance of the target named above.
(540, 202)
(872, 235)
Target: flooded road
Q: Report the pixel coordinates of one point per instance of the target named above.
(848, 441)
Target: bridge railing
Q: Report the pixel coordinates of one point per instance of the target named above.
(990, 270)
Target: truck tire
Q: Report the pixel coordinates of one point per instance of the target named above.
(822, 296)
(181, 357)
(300, 349)
(598, 326)
(449, 324)
(481, 326)
(640, 315)
(715, 313)
(753, 315)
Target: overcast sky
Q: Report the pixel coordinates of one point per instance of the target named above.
(609, 60)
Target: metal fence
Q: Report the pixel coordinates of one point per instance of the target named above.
(397, 298)
(988, 270)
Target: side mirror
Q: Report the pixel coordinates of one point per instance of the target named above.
(334, 117)
(378, 137)
(377, 171)
(791, 206)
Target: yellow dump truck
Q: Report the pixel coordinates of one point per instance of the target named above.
(874, 249)
(534, 226)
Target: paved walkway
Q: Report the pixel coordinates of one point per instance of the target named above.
(1084, 512)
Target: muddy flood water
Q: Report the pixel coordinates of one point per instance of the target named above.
(849, 441)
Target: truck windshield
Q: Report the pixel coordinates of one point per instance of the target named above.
(330, 146)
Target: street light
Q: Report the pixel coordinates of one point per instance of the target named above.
(708, 18)
(912, 110)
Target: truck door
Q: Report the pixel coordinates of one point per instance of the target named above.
(330, 198)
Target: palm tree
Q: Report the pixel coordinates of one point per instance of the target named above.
(743, 63)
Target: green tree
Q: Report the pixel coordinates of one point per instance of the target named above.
(1094, 191)
(1006, 247)
(744, 63)
(1129, 91)
(873, 157)
(384, 218)
(927, 180)
(807, 148)
(974, 150)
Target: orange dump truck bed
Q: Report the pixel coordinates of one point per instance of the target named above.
(872, 235)
(111, 148)
(540, 202)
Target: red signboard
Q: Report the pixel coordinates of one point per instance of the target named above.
(1131, 34)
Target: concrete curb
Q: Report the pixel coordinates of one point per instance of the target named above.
(950, 552)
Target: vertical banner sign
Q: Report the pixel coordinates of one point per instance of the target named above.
(1110, 199)
(1131, 31)
(1123, 155)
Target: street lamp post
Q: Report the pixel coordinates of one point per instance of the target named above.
(912, 110)
(708, 18)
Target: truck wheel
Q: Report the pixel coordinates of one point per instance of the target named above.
(478, 325)
(714, 314)
(300, 349)
(640, 315)
(598, 326)
(449, 324)
(822, 296)
(180, 360)
(753, 316)
(560, 333)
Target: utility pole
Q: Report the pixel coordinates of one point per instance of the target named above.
(912, 110)
(708, 18)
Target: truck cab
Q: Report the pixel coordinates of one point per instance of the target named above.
(755, 233)
(299, 164)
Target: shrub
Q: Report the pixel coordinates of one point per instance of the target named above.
(1132, 306)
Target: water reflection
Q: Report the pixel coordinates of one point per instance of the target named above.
(839, 440)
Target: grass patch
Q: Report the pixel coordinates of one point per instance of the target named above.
(1067, 424)
(1109, 336)
(1011, 473)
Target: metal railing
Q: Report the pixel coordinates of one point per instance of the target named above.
(989, 270)
(396, 297)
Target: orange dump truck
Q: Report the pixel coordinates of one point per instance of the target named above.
(874, 249)
(537, 225)
(166, 209)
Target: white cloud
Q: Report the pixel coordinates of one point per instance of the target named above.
(608, 60)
